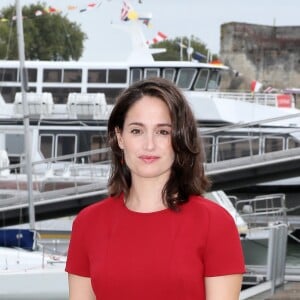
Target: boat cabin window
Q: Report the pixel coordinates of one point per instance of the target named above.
(185, 78)
(272, 144)
(117, 76)
(292, 143)
(65, 145)
(14, 143)
(209, 148)
(169, 74)
(72, 75)
(201, 80)
(52, 75)
(99, 142)
(214, 80)
(136, 75)
(32, 75)
(96, 76)
(8, 74)
(46, 145)
(236, 147)
(151, 72)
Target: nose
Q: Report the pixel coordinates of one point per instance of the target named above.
(149, 143)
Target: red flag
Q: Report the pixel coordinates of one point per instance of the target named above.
(158, 38)
(124, 11)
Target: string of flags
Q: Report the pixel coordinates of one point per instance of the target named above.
(52, 10)
(128, 13)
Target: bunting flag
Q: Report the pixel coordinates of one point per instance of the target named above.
(158, 38)
(216, 62)
(255, 86)
(199, 56)
(269, 89)
(125, 10)
(72, 7)
(128, 13)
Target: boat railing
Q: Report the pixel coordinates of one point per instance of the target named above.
(262, 210)
(247, 140)
(271, 274)
(269, 99)
(55, 179)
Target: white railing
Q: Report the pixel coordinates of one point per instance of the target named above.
(277, 100)
(55, 179)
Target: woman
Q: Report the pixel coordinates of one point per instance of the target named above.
(155, 236)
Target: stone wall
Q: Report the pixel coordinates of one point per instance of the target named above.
(268, 54)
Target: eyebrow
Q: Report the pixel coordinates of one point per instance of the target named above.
(142, 124)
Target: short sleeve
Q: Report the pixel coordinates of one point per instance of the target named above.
(223, 254)
(77, 259)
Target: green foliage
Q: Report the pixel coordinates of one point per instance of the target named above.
(50, 36)
(173, 52)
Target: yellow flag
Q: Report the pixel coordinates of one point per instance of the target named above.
(132, 15)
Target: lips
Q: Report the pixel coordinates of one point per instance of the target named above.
(148, 158)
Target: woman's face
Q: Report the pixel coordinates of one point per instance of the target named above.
(146, 139)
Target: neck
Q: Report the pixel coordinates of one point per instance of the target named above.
(146, 196)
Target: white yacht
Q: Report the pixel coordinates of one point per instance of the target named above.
(69, 104)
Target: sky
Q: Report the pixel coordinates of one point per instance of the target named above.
(174, 18)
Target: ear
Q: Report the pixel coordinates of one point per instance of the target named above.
(119, 137)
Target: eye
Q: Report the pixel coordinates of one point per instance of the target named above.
(136, 131)
(164, 132)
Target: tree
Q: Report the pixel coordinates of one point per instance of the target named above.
(47, 35)
(174, 52)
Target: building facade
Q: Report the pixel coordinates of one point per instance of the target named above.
(267, 54)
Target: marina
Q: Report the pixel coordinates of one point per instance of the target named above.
(247, 136)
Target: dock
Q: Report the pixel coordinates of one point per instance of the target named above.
(288, 291)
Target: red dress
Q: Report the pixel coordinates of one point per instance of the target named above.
(159, 255)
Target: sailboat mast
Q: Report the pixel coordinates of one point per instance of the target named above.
(26, 121)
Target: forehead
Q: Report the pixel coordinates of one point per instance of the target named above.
(149, 109)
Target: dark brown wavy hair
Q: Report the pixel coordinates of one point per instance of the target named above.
(187, 172)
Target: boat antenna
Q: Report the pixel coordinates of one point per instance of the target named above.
(27, 134)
